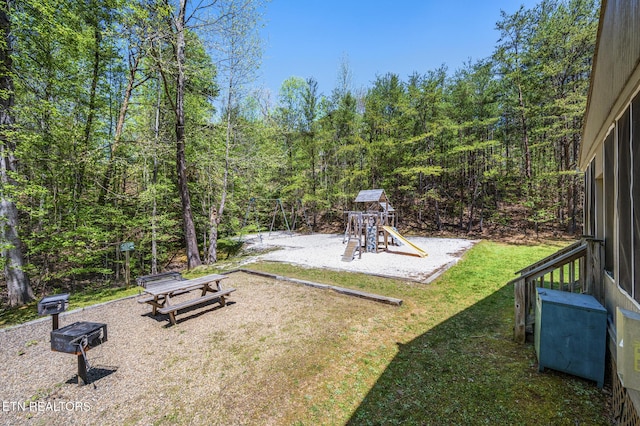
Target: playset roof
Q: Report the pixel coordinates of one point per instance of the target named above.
(372, 196)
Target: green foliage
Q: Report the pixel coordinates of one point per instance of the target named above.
(90, 295)
(229, 247)
(450, 148)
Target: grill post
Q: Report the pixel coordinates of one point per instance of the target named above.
(82, 371)
(77, 339)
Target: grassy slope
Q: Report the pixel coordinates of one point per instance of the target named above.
(446, 356)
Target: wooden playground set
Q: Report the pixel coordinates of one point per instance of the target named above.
(374, 228)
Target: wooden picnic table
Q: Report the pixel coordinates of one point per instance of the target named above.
(159, 295)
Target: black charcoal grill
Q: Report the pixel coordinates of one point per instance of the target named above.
(76, 338)
(53, 305)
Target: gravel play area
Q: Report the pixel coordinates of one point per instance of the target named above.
(326, 250)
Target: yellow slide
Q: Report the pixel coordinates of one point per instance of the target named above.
(399, 237)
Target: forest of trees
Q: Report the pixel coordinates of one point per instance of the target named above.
(131, 120)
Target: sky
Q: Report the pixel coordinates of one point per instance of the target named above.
(311, 38)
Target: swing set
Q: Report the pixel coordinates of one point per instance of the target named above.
(253, 215)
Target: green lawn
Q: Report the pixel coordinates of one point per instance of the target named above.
(447, 355)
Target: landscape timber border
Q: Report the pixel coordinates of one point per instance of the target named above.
(341, 290)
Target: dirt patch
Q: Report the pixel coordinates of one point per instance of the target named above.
(216, 366)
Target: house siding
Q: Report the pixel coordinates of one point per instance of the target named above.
(615, 82)
(615, 73)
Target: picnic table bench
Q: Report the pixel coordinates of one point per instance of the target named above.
(160, 294)
(153, 279)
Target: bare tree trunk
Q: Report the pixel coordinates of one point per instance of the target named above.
(119, 127)
(18, 286)
(525, 135)
(190, 236)
(79, 184)
(565, 182)
(575, 199)
(438, 219)
(461, 202)
(216, 217)
(154, 180)
(472, 204)
(214, 221)
(116, 267)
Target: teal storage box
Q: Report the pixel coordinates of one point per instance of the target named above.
(570, 334)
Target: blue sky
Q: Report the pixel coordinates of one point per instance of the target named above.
(309, 38)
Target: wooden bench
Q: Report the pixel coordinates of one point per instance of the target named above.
(172, 309)
(147, 281)
(154, 279)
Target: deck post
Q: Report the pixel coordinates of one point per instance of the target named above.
(593, 267)
(520, 305)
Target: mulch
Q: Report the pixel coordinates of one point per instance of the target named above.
(218, 365)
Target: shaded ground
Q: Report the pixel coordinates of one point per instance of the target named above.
(486, 373)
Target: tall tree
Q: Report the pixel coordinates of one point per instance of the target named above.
(310, 107)
(179, 29)
(564, 40)
(385, 121)
(239, 52)
(290, 116)
(511, 57)
(137, 26)
(474, 111)
(18, 285)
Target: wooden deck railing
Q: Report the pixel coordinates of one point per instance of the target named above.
(549, 258)
(576, 268)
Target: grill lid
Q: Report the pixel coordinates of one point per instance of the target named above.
(78, 335)
(78, 329)
(53, 304)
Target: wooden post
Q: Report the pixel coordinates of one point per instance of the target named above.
(127, 275)
(572, 275)
(126, 248)
(529, 303)
(598, 269)
(594, 269)
(589, 270)
(519, 332)
(581, 273)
